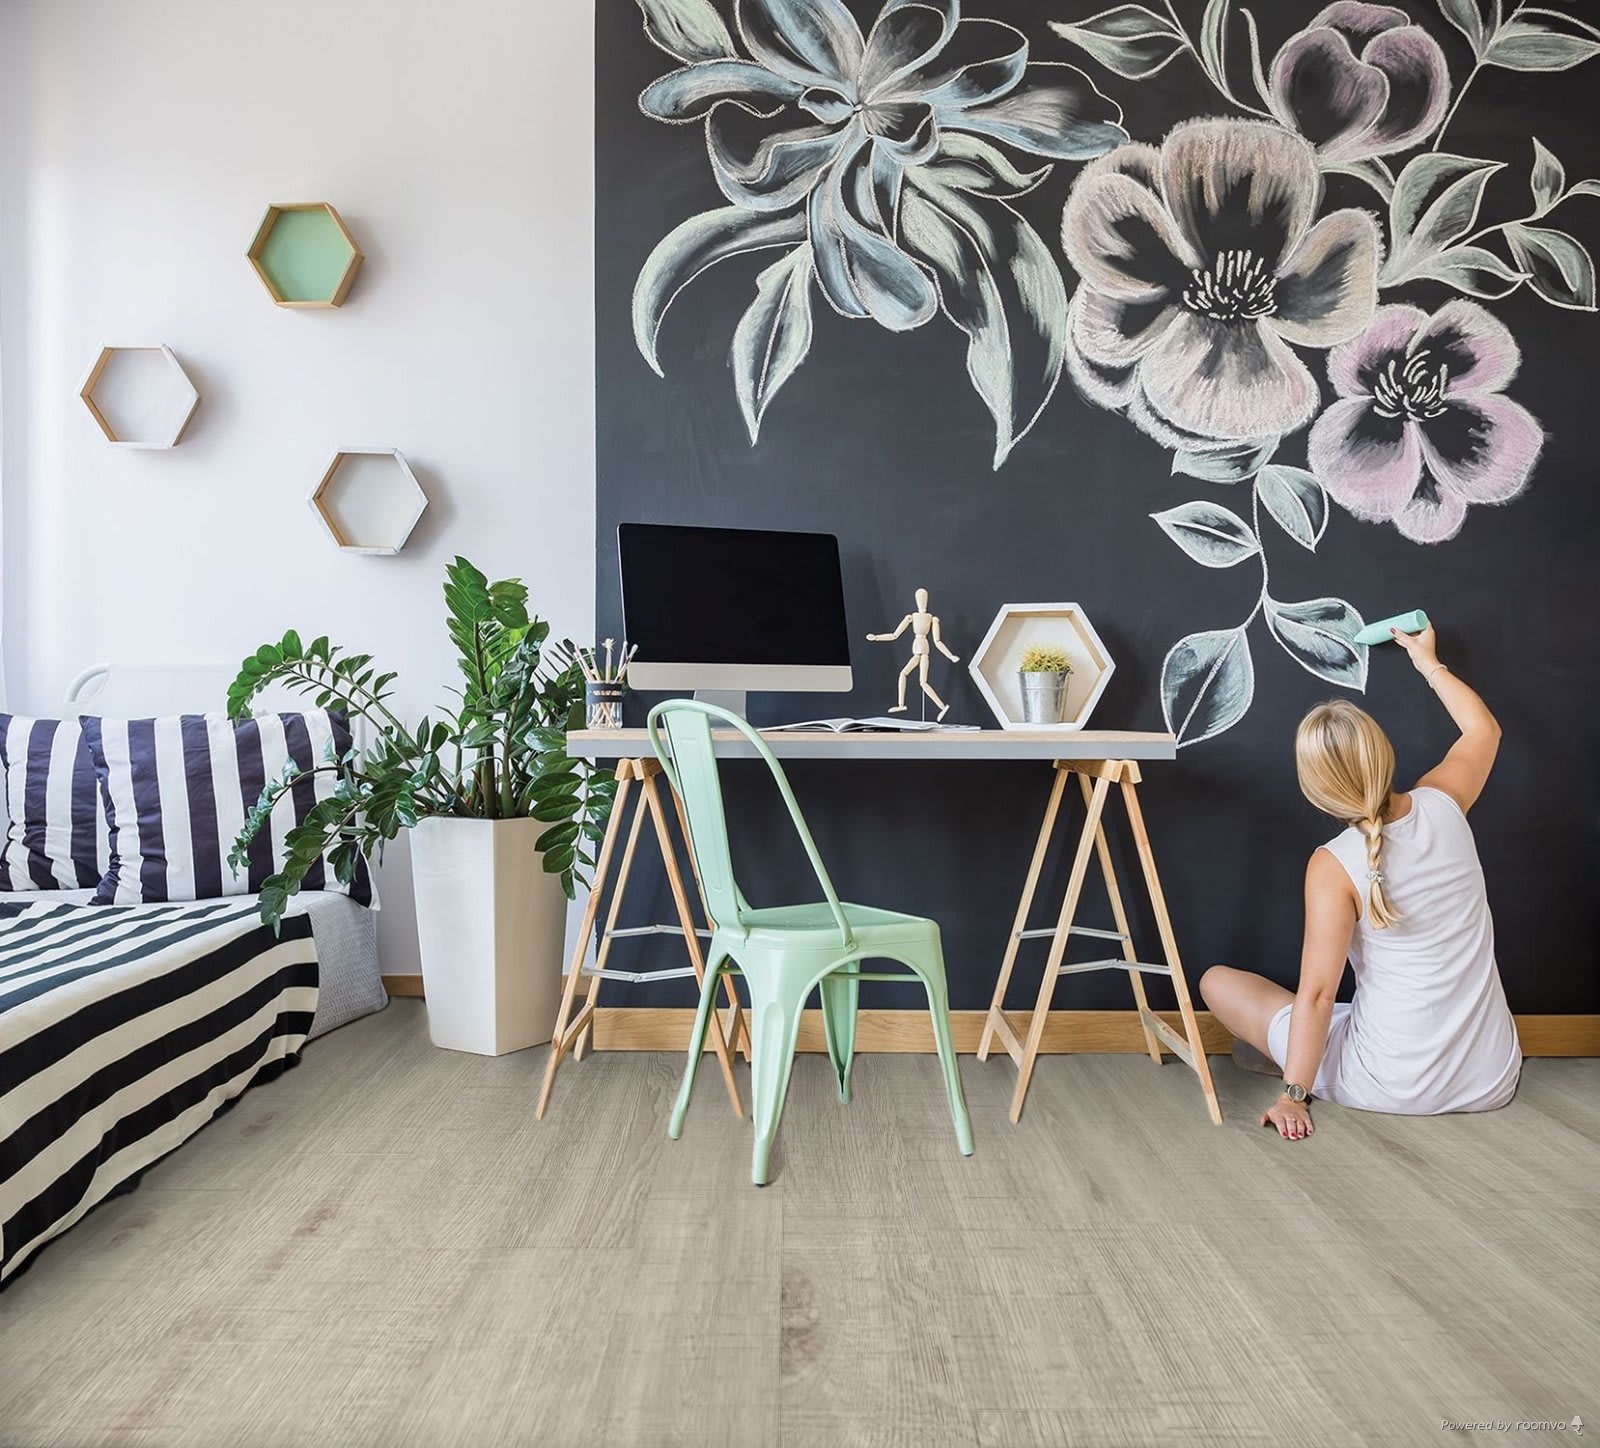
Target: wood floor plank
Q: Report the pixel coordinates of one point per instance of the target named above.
(384, 1248)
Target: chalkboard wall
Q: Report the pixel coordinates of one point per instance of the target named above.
(1398, 396)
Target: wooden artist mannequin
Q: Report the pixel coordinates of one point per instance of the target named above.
(924, 626)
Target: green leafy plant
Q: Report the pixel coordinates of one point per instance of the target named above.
(500, 754)
(1044, 659)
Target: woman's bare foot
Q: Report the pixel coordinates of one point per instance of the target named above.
(1247, 1058)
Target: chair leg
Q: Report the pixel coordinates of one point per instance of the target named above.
(841, 994)
(775, 1010)
(931, 970)
(697, 1042)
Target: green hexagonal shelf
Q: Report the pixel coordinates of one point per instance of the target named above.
(305, 254)
(139, 396)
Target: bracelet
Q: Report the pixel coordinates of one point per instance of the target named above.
(1428, 677)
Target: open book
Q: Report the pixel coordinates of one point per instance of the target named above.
(885, 723)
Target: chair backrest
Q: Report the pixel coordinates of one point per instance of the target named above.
(688, 755)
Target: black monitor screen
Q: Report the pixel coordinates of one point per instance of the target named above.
(732, 596)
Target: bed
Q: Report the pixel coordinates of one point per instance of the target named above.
(124, 1029)
(347, 948)
(346, 933)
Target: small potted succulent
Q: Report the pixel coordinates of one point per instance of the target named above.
(1043, 671)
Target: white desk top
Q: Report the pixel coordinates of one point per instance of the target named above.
(1045, 744)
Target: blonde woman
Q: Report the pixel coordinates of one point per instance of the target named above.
(1400, 894)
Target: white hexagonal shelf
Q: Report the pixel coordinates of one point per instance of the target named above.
(139, 396)
(369, 500)
(1015, 627)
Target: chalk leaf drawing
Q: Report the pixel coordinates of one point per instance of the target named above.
(1208, 681)
(1000, 285)
(1559, 267)
(1230, 464)
(1209, 533)
(1435, 203)
(1539, 39)
(880, 163)
(1296, 502)
(1214, 293)
(774, 335)
(1319, 635)
(1131, 40)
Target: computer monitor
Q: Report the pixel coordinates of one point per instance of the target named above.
(725, 610)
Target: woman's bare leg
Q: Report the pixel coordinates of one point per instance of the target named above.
(1244, 1002)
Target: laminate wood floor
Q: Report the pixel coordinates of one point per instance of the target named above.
(384, 1248)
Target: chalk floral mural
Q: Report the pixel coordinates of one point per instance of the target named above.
(1212, 299)
(880, 166)
(1222, 304)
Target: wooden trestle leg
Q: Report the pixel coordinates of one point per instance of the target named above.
(1021, 1039)
(573, 1029)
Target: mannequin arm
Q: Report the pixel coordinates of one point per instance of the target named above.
(889, 638)
(941, 645)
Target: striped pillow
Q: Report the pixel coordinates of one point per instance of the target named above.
(176, 791)
(55, 836)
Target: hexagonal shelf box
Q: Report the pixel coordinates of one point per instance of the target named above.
(305, 254)
(369, 500)
(1015, 627)
(139, 396)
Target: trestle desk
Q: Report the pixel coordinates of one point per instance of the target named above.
(1098, 760)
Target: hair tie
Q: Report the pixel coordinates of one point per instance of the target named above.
(1375, 876)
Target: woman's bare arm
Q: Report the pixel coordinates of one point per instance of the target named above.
(1464, 770)
(1330, 922)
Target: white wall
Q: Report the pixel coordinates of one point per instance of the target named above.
(141, 143)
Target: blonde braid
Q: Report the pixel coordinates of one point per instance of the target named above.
(1345, 763)
(1379, 911)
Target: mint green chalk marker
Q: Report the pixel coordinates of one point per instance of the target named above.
(1408, 623)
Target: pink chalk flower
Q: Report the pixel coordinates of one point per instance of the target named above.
(1360, 80)
(1421, 430)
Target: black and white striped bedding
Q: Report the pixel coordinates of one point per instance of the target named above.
(55, 835)
(176, 791)
(123, 1031)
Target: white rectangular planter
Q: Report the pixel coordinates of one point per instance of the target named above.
(491, 926)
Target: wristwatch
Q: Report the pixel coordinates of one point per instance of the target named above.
(1295, 1092)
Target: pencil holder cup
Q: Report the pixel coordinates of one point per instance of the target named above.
(602, 703)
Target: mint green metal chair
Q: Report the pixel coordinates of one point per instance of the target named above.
(786, 952)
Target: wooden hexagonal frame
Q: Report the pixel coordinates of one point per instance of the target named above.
(168, 432)
(324, 501)
(330, 296)
(994, 661)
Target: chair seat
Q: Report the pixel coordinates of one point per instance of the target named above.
(781, 924)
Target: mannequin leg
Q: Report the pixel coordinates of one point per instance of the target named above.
(905, 673)
(927, 689)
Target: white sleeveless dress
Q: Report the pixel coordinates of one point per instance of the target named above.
(1429, 1030)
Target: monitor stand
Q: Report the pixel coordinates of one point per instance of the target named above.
(732, 700)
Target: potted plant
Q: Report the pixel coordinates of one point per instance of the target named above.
(1043, 671)
(502, 818)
